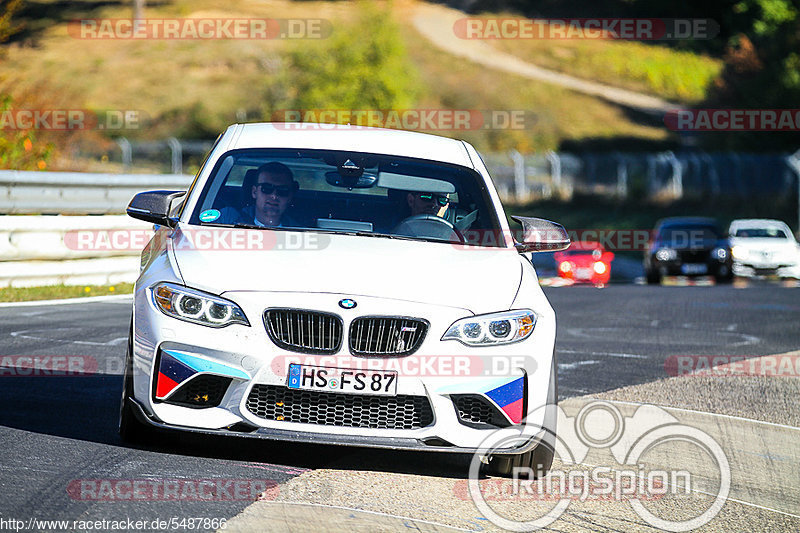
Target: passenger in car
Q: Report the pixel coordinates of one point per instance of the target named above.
(272, 194)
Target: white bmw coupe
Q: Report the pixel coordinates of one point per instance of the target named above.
(343, 285)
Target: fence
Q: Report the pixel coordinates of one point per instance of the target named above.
(32, 250)
(647, 175)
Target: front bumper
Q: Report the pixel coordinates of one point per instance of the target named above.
(252, 355)
(390, 443)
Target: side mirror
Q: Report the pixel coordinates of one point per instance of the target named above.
(153, 206)
(540, 235)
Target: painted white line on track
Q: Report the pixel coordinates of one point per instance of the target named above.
(670, 408)
(611, 354)
(376, 513)
(23, 334)
(67, 301)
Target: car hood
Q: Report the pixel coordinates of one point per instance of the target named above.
(481, 280)
(765, 245)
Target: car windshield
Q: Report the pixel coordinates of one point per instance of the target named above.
(761, 233)
(689, 233)
(349, 192)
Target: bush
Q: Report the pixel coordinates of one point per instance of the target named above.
(363, 65)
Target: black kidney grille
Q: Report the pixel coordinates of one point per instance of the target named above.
(304, 331)
(475, 409)
(344, 410)
(386, 336)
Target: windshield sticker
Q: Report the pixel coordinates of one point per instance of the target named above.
(209, 215)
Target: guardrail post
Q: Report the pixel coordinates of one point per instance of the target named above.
(622, 176)
(127, 153)
(677, 174)
(520, 187)
(555, 171)
(177, 155)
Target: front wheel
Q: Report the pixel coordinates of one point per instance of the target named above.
(537, 460)
(130, 428)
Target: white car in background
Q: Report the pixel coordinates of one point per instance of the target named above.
(353, 320)
(764, 247)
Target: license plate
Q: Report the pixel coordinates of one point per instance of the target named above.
(694, 269)
(583, 273)
(344, 380)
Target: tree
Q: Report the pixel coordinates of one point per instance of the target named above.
(363, 65)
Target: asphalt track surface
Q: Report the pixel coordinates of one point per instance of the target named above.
(57, 431)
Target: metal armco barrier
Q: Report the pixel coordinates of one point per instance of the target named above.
(73, 250)
(28, 192)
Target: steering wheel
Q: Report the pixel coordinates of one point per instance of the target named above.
(430, 226)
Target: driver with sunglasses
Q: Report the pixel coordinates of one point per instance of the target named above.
(425, 203)
(272, 192)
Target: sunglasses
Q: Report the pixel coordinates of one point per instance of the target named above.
(440, 199)
(280, 190)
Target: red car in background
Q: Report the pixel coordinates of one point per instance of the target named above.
(585, 262)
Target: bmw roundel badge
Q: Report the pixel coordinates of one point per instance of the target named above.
(347, 303)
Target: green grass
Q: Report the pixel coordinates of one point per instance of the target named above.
(553, 114)
(58, 292)
(650, 68)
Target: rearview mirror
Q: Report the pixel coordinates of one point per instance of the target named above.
(363, 181)
(540, 235)
(153, 206)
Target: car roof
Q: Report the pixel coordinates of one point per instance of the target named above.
(757, 223)
(350, 138)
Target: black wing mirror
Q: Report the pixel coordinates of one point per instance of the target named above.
(540, 235)
(153, 206)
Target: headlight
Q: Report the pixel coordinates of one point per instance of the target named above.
(600, 267)
(739, 252)
(666, 254)
(719, 253)
(493, 329)
(195, 306)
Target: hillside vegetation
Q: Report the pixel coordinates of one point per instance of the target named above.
(195, 88)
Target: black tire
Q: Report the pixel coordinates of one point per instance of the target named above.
(131, 430)
(538, 460)
(653, 278)
(725, 278)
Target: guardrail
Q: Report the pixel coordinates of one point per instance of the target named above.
(48, 250)
(28, 192)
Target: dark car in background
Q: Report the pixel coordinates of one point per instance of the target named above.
(688, 246)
